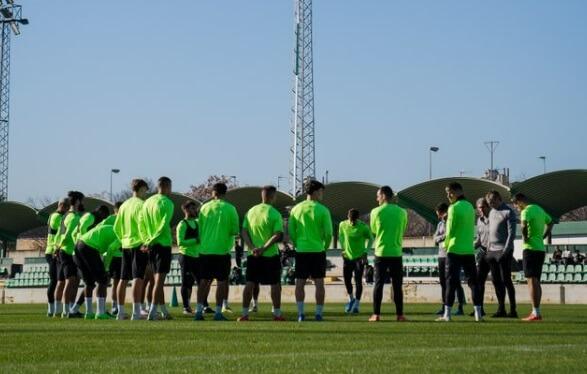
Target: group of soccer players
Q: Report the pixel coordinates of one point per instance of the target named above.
(135, 244)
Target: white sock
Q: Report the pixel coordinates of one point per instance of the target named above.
(74, 308)
(478, 313)
(300, 305)
(536, 311)
(136, 309)
(58, 307)
(447, 311)
(225, 304)
(163, 309)
(101, 305)
(245, 311)
(255, 303)
(319, 309)
(89, 309)
(199, 308)
(51, 308)
(121, 310)
(277, 312)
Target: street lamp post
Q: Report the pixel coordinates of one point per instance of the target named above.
(112, 172)
(432, 150)
(543, 158)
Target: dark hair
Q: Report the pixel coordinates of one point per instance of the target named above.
(163, 182)
(312, 186)
(188, 203)
(519, 198)
(269, 190)
(482, 201)
(220, 188)
(442, 208)
(387, 191)
(75, 196)
(455, 187)
(494, 193)
(353, 215)
(101, 212)
(118, 204)
(137, 184)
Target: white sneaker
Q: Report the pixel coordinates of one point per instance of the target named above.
(443, 319)
(254, 309)
(478, 317)
(226, 309)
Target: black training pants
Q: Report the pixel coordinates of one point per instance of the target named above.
(393, 268)
(442, 280)
(356, 268)
(52, 262)
(466, 263)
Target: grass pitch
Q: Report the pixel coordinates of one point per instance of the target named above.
(31, 342)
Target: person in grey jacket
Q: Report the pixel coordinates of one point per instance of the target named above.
(439, 236)
(481, 244)
(500, 251)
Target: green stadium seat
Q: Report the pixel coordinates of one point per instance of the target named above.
(569, 278)
(560, 277)
(545, 268)
(552, 268)
(544, 278)
(578, 278)
(578, 268)
(570, 269)
(560, 269)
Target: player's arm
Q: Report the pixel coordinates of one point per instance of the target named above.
(234, 224)
(181, 229)
(438, 237)
(292, 226)
(327, 230)
(549, 226)
(369, 237)
(163, 222)
(525, 231)
(277, 234)
(511, 229)
(449, 226)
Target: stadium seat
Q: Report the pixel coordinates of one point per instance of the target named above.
(544, 278)
(578, 268)
(569, 278)
(560, 277)
(578, 278)
(545, 268)
(560, 269)
(552, 268)
(570, 269)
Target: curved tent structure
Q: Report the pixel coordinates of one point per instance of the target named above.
(178, 200)
(558, 192)
(423, 197)
(244, 198)
(16, 218)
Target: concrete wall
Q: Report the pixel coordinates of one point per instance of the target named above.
(336, 293)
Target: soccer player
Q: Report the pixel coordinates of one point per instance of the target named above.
(218, 223)
(481, 244)
(54, 223)
(310, 230)
(439, 236)
(536, 226)
(188, 238)
(500, 251)
(355, 240)
(113, 261)
(388, 224)
(134, 258)
(99, 241)
(459, 239)
(262, 230)
(155, 225)
(68, 271)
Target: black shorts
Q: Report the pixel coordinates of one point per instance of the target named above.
(115, 268)
(190, 266)
(66, 268)
(134, 263)
(160, 258)
(533, 261)
(215, 267)
(310, 265)
(91, 265)
(264, 270)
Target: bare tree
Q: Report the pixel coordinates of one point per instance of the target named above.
(417, 225)
(40, 202)
(203, 192)
(575, 215)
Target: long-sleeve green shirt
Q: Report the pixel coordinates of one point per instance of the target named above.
(155, 221)
(262, 222)
(310, 227)
(86, 222)
(126, 224)
(460, 228)
(188, 237)
(218, 221)
(53, 225)
(388, 224)
(355, 240)
(67, 231)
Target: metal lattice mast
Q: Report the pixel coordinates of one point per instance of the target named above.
(303, 162)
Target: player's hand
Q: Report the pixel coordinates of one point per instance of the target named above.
(257, 252)
(144, 249)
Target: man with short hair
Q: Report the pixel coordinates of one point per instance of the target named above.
(500, 251)
(355, 240)
(134, 258)
(536, 226)
(459, 237)
(219, 224)
(68, 271)
(439, 237)
(262, 230)
(481, 245)
(188, 238)
(310, 230)
(53, 224)
(155, 226)
(388, 224)
(101, 240)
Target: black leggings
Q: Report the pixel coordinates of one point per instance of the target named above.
(52, 261)
(501, 272)
(442, 280)
(187, 279)
(350, 268)
(453, 277)
(385, 268)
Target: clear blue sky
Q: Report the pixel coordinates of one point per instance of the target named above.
(195, 88)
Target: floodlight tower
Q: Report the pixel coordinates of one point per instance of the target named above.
(10, 19)
(303, 163)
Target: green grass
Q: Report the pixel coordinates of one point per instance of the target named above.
(32, 342)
